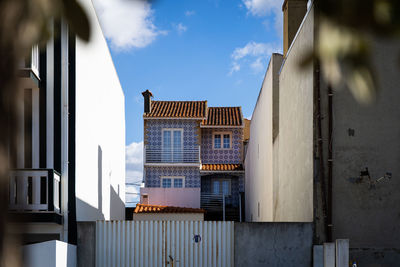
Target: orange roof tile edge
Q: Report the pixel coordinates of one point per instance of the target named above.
(144, 208)
(222, 167)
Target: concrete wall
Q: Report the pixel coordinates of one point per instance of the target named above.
(178, 197)
(295, 190)
(168, 217)
(100, 129)
(259, 156)
(86, 244)
(367, 136)
(49, 254)
(273, 244)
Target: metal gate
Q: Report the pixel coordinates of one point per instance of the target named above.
(164, 243)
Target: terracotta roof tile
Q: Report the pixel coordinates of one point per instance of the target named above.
(177, 109)
(222, 167)
(143, 208)
(223, 116)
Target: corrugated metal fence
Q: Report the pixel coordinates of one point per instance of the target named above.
(164, 243)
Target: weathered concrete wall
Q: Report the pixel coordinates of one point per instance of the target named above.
(368, 136)
(259, 162)
(375, 257)
(273, 244)
(295, 195)
(86, 244)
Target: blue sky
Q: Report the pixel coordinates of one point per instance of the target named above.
(188, 50)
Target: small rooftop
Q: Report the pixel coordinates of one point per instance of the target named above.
(177, 109)
(223, 116)
(144, 208)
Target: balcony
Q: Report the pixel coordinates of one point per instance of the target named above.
(159, 155)
(177, 197)
(34, 191)
(221, 207)
(29, 67)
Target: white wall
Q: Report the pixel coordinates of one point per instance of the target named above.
(295, 185)
(259, 156)
(49, 254)
(100, 129)
(279, 159)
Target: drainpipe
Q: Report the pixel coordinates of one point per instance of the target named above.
(330, 162)
(320, 148)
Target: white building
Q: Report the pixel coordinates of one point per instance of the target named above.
(70, 160)
(317, 155)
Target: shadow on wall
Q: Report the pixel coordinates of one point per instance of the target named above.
(117, 206)
(88, 212)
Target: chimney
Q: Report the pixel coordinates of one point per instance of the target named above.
(293, 14)
(147, 95)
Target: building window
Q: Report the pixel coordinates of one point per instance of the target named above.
(166, 182)
(222, 140)
(221, 187)
(172, 145)
(175, 182)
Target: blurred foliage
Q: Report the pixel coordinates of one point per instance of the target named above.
(345, 34)
(24, 23)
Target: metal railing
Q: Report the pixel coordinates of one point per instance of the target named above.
(181, 155)
(222, 204)
(34, 190)
(32, 62)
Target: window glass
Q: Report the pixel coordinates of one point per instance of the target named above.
(227, 141)
(215, 187)
(167, 140)
(177, 140)
(217, 141)
(166, 182)
(178, 182)
(225, 187)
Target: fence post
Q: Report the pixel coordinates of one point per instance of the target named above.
(223, 207)
(342, 252)
(329, 254)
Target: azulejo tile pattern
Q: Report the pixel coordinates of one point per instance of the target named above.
(154, 132)
(191, 174)
(209, 155)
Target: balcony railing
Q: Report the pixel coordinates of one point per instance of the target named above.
(160, 155)
(220, 204)
(34, 190)
(32, 62)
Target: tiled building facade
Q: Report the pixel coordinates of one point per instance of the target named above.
(190, 145)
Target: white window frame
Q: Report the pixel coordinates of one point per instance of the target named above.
(220, 180)
(172, 181)
(222, 140)
(172, 136)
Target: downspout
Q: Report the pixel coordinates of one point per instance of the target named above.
(330, 163)
(321, 171)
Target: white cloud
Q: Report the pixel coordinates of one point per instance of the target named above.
(134, 170)
(189, 13)
(254, 54)
(181, 28)
(126, 23)
(262, 8)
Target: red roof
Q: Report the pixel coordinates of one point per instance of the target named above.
(143, 208)
(222, 167)
(223, 116)
(177, 109)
